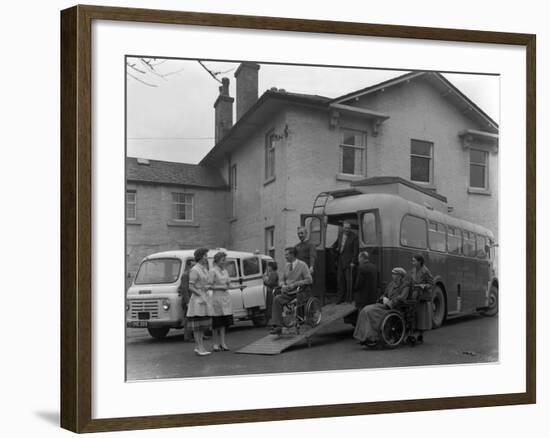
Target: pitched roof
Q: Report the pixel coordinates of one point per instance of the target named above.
(439, 81)
(172, 173)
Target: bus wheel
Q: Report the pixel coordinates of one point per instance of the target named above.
(158, 332)
(438, 303)
(492, 308)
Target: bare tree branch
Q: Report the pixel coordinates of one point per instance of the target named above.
(140, 80)
(209, 72)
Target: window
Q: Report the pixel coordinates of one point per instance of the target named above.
(231, 268)
(352, 149)
(478, 169)
(270, 155)
(483, 247)
(454, 240)
(368, 229)
(131, 204)
(469, 244)
(251, 266)
(413, 232)
(233, 185)
(438, 236)
(158, 271)
(182, 207)
(421, 161)
(313, 227)
(270, 242)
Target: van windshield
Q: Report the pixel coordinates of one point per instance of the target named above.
(158, 271)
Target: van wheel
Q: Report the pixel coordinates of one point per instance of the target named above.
(492, 308)
(439, 306)
(159, 332)
(260, 320)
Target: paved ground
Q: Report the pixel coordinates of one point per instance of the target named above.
(467, 340)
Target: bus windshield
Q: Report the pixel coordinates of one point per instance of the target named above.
(158, 271)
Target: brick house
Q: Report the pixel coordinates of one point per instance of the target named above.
(285, 148)
(168, 205)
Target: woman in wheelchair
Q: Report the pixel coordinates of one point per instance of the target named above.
(370, 318)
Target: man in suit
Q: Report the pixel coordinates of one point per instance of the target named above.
(295, 275)
(365, 289)
(306, 251)
(346, 248)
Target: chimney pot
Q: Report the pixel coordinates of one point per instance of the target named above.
(223, 111)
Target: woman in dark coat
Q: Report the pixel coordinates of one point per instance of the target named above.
(421, 286)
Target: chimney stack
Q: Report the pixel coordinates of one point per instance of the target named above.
(223, 110)
(247, 86)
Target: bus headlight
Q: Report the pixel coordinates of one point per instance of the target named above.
(165, 305)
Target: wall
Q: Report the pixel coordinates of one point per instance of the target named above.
(154, 229)
(418, 111)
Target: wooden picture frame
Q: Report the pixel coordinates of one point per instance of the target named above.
(76, 217)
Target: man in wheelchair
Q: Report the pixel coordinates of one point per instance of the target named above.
(295, 283)
(388, 321)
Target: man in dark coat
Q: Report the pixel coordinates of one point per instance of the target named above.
(365, 289)
(306, 251)
(346, 248)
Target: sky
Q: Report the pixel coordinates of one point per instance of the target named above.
(170, 112)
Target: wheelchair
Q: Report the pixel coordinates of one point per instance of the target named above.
(298, 313)
(397, 326)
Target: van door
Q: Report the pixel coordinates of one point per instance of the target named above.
(236, 291)
(251, 274)
(370, 237)
(315, 227)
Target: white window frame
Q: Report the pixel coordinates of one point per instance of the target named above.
(362, 148)
(134, 203)
(270, 241)
(486, 166)
(269, 168)
(176, 203)
(431, 158)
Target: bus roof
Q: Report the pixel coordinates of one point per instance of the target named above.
(186, 253)
(391, 205)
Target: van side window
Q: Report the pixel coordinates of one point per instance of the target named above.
(231, 267)
(251, 266)
(454, 240)
(438, 236)
(368, 229)
(469, 244)
(413, 232)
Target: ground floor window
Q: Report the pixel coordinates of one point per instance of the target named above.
(182, 207)
(131, 199)
(270, 241)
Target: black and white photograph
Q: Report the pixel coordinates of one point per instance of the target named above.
(303, 218)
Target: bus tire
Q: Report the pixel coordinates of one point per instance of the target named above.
(158, 332)
(439, 305)
(492, 308)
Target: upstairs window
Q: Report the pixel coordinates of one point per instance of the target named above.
(352, 152)
(478, 169)
(422, 161)
(270, 155)
(182, 207)
(131, 199)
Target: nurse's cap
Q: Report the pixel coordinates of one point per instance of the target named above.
(399, 271)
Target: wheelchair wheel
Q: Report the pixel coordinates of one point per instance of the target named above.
(313, 312)
(392, 329)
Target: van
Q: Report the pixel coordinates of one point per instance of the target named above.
(154, 300)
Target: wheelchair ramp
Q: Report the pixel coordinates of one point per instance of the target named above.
(275, 344)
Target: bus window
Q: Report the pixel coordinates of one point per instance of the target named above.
(469, 244)
(482, 247)
(437, 236)
(413, 232)
(454, 240)
(368, 229)
(313, 227)
(331, 235)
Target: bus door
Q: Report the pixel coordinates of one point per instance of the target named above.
(370, 237)
(315, 227)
